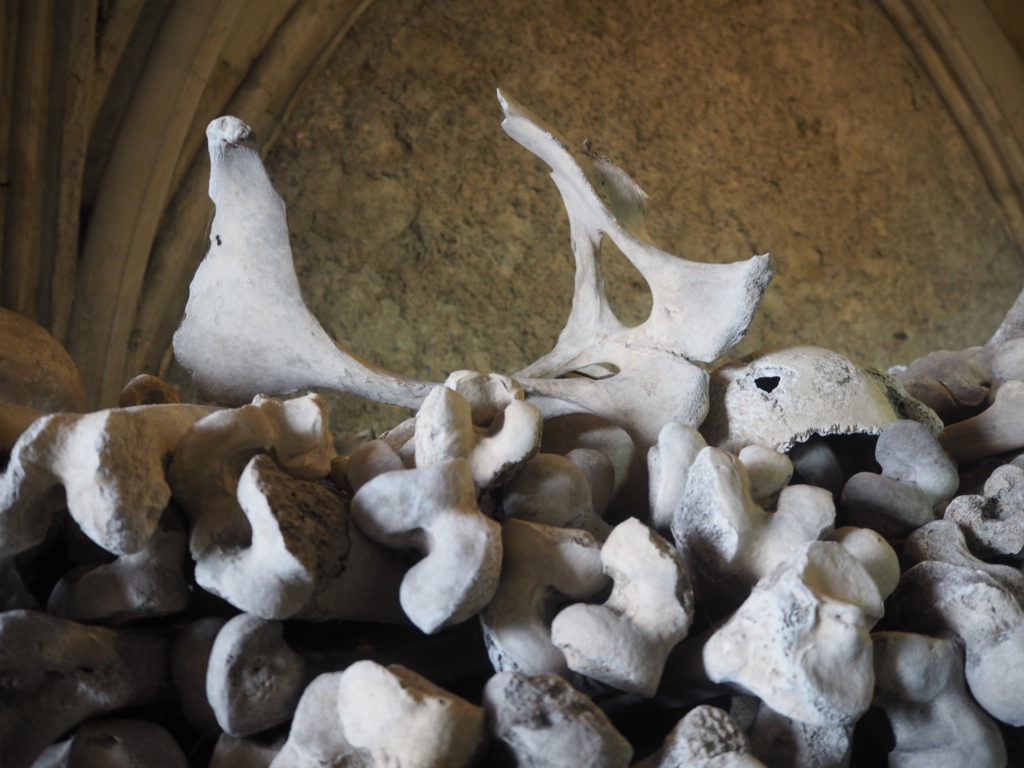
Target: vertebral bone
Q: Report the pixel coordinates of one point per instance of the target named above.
(625, 641)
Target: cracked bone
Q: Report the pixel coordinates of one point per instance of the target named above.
(917, 478)
(706, 737)
(543, 568)
(553, 490)
(936, 724)
(246, 329)
(731, 541)
(699, 310)
(944, 541)
(55, 673)
(142, 585)
(541, 721)
(115, 743)
(371, 715)
(993, 521)
(936, 596)
(800, 640)
(445, 432)
(624, 642)
(777, 397)
(997, 429)
(253, 679)
(305, 558)
(434, 510)
(668, 466)
(90, 456)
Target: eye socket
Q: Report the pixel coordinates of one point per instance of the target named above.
(766, 383)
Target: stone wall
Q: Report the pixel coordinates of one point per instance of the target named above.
(428, 241)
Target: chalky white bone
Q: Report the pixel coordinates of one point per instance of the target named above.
(625, 641)
(433, 509)
(544, 567)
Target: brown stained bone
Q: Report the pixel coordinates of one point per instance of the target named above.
(55, 673)
(146, 389)
(995, 430)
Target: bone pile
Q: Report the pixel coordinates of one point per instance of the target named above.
(622, 555)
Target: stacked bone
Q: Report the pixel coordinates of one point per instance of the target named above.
(536, 570)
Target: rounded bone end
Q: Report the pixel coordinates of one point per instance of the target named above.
(228, 130)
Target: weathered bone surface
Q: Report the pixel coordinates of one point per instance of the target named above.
(668, 466)
(699, 310)
(936, 724)
(544, 567)
(780, 397)
(142, 585)
(802, 624)
(706, 737)
(370, 715)
(445, 431)
(246, 328)
(944, 541)
(111, 467)
(993, 521)
(917, 478)
(781, 741)
(625, 641)
(433, 509)
(541, 721)
(935, 597)
(211, 456)
(732, 541)
(997, 429)
(55, 673)
(115, 743)
(253, 679)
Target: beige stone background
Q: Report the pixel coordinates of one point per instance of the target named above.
(872, 146)
(429, 241)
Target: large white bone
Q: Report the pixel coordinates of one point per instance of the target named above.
(246, 328)
(699, 310)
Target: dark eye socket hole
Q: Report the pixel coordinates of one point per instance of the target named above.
(766, 383)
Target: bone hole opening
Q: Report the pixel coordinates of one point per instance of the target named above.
(767, 383)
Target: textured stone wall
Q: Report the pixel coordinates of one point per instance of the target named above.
(427, 241)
